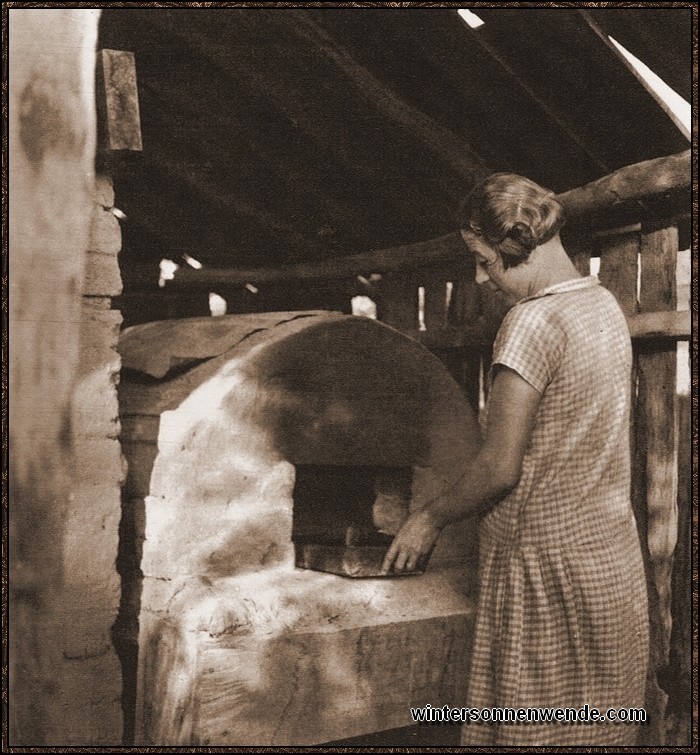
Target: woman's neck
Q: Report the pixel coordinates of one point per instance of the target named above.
(550, 265)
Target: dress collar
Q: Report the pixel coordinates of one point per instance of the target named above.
(565, 287)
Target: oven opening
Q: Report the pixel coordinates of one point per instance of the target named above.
(345, 517)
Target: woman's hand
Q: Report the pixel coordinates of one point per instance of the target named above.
(413, 541)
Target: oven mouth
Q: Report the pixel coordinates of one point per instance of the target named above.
(345, 517)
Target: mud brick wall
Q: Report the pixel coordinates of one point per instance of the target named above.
(92, 582)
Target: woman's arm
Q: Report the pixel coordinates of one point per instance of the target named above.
(495, 471)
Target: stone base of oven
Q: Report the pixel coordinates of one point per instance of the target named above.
(257, 672)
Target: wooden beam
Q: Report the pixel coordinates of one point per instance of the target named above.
(645, 179)
(406, 257)
(629, 183)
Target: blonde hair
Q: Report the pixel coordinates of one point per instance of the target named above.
(513, 214)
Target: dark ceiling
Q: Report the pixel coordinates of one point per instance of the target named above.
(281, 135)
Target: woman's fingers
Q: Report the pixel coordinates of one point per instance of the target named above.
(399, 558)
(414, 539)
(390, 557)
(396, 558)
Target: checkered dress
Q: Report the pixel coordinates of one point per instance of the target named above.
(562, 618)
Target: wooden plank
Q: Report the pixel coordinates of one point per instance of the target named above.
(618, 269)
(655, 457)
(659, 258)
(119, 120)
(646, 327)
(655, 497)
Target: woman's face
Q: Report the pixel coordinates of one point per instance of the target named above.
(512, 284)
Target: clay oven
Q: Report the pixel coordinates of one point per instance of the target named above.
(271, 457)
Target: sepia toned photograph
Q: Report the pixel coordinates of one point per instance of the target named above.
(349, 371)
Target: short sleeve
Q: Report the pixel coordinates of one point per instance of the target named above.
(531, 343)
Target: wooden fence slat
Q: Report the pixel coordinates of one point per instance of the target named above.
(618, 269)
(659, 250)
(119, 121)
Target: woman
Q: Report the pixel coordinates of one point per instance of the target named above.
(562, 615)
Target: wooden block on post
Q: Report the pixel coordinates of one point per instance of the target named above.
(119, 121)
(618, 269)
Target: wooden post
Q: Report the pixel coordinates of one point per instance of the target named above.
(633, 182)
(679, 679)
(656, 454)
